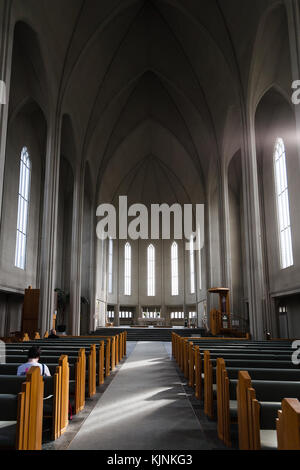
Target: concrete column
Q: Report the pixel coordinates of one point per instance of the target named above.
(76, 253)
(93, 313)
(293, 17)
(49, 227)
(6, 46)
(225, 228)
(254, 252)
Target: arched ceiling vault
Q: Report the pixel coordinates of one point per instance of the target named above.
(149, 84)
(159, 62)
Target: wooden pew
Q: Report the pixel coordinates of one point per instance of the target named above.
(258, 406)
(219, 343)
(105, 360)
(191, 355)
(243, 365)
(60, 413)
(92, 371)
(26, 408)
(56, 387)
(78, 360)
(51, 348)
(226, 391)
(288, 425)
(48, 345)
(208, 385)
(113, 345)
(30, 412)
(254, 354)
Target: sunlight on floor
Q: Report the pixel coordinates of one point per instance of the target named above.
(137, 404)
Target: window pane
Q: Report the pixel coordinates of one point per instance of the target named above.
(151, 270)
(283, 210)
(192, 266)
(174, 268)
(23, 208)
(127, 270)
(110, 266)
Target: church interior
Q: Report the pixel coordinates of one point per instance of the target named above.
(184, 342)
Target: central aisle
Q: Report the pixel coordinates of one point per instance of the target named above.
(144, 407)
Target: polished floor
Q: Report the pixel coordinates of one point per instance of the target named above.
(144, 407)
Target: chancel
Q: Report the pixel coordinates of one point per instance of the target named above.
(149, 225)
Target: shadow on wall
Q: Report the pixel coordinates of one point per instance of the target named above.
(10, 312)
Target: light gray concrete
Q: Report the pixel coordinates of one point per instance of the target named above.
(145, 407)
(160, 119)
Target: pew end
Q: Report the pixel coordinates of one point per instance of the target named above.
(288, 425)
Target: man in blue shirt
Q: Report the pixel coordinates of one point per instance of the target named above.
(34, 355)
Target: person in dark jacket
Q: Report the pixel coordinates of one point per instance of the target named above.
(53, 334)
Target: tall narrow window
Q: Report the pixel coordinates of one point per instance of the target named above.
(110, 265)
(151, 270)
(192, 265)
(174, 268)
(127, 269)
(199, 260)
(283, 210)
(23, 206)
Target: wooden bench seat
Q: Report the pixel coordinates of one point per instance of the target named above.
(273, 374)
(208, 366)
(78, 361)
(258, 406)
(178, 343)
(227, 399)
(288, 425)
(8, 420)
(21, 412)
(100, 363)
(56, 392)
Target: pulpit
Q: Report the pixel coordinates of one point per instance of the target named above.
(30, 314)
(220, 321)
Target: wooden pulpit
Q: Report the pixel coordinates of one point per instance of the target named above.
(30, 315)
(220, 319)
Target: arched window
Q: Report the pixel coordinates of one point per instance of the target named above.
(151, 270)
(127, 269)
(174, 268)
(23, 207)
(192, 265)
(283, 210)
(110, 265)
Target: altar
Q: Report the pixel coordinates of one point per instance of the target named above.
(156, 322)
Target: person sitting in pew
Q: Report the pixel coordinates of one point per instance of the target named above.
(34, 355)
(53, 334)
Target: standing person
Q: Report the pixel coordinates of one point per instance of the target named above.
(33, 358)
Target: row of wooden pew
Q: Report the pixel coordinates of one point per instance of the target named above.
(78, 365)
(254, 384)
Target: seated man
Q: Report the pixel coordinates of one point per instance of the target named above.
(34, 355)
(53, 334)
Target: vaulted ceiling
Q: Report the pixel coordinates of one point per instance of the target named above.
(148, 86)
